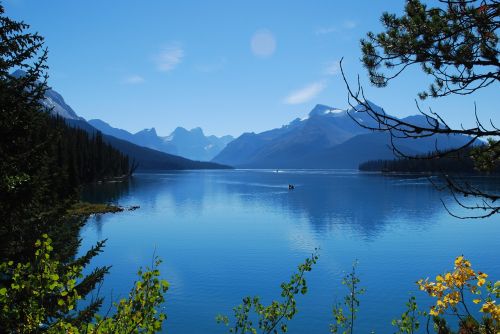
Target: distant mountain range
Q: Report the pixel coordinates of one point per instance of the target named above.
(146, 158)
(192, 144)
(327, 138)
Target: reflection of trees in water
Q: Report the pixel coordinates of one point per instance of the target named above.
(106, 192)
(364, 203)
(97, 223)
(182, 188)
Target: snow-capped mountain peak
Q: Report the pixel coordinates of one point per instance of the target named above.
(324, 110)
(53, 101)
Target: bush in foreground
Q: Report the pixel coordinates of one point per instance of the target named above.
(42, 297)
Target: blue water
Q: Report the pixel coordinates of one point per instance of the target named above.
(224, 235)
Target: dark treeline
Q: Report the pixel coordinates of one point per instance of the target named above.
(453, 163)
(43, 164)
(48, 161)
(85, 157)
(43, 161)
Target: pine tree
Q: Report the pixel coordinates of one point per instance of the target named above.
(42, 160)
(456, 44)
(34, 192)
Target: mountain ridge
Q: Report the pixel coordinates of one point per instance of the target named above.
(192, 144)
(328, 138)
(145, 158)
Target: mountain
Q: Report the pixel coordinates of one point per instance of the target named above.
(192, 144)
(145, 158)
(109, 130)
(327, 138)
(324, 127)
(53, 101)
(149, 138)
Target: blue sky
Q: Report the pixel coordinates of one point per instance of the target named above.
(226, 66)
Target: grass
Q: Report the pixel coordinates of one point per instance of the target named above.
(87, 209)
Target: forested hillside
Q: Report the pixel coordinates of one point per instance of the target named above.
(43, 163)
(87, 157)
(460, 162)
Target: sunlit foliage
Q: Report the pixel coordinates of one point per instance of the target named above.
(252, 316)
(43, 296)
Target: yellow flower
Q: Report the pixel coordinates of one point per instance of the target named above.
(433, 312)
(449, 287)
(488, 307)
(481, 281)
(481, 274)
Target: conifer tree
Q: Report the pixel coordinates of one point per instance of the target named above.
(36, 162)
(42, 159)
(455, 43)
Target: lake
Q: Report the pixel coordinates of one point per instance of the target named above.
(227, 234)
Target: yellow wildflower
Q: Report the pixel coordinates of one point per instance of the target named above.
(449, 288)
(458, 261)
(433, 311)
(481, 281)
(492, 309)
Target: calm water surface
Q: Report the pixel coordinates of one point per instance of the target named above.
(227, 234)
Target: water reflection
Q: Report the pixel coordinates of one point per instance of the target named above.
(106, 192)
(226, 234)
(365, 204)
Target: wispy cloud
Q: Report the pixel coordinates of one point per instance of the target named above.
(133, 80)
(332, 68)
(212, 67)
(350, 24)
(326, 30)
(306, 93)
(345, 25)
(169, 57)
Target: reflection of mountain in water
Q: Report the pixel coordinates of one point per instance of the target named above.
(363, 203)
(186, 190)
(367, 204)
